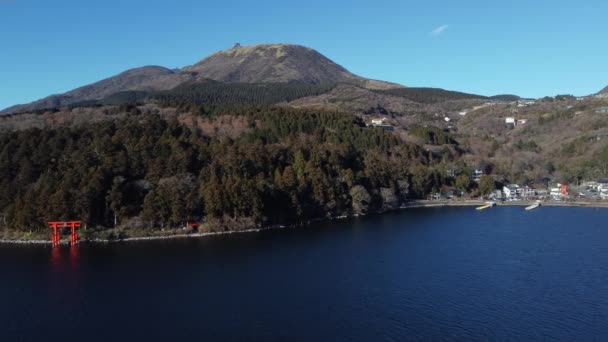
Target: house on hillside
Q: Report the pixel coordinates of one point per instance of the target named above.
(378, 122)
(476, 176)
(381, 123)
(510, 122)
(510, 192)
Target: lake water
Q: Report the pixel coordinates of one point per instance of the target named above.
(419, 274)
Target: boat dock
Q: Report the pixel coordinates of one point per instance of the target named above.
(486, 206)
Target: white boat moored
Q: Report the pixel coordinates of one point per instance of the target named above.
(533, 206)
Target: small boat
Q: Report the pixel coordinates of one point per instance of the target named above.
(486, 206)
(533, 206)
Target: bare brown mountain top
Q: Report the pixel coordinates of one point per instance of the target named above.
(278, 63)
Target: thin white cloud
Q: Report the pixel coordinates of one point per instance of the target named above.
(439, 30)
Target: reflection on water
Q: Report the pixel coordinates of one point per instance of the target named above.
(74, 256)
(55, 256)
(62, 256)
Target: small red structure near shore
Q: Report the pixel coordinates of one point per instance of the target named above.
(56, 226)
(192, 225)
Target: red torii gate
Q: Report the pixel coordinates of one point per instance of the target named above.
(56, 236)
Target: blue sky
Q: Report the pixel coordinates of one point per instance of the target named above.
(529, 48)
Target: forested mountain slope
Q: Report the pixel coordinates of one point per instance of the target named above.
(154, 171)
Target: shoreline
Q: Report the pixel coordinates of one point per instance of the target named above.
(472, 203)
(137, 238)
(410, 205)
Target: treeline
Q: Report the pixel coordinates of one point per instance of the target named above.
(288, 167)
(218, 93)
(429, 95)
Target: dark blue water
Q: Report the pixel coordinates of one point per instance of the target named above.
(420, 274)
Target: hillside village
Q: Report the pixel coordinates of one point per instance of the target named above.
(553, 148)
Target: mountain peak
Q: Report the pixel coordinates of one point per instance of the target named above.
(278, 63)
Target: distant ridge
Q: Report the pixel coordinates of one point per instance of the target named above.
(435, 95)
(149, 78)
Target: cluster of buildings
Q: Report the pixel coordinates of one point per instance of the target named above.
(556, 192)
(514, 192)
(594, 190)
(525, 102)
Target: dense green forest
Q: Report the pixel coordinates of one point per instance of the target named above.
(288, 166)
(214, 93)
(219, 93)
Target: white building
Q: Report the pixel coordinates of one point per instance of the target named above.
(510, 121)
(555, 192)
(378, 122)
(561, 190)
(477, 175)
(510, 191)
(526, 192)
